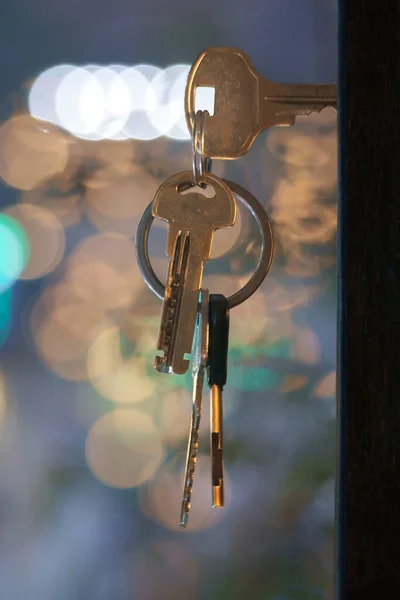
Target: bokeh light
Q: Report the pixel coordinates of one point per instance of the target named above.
(5, 315)
(124, 448)
(296, 148)
(64, 336)
(326, 387)
(122, 380)
(104, 270)
(303, 210)
(108, 94)
(305, 345)
(144, 102)
(249, 320)
(45, 237)
(172, 413)
(66, 208)
(293, 383)
(113, 102)
(72, 102)
(165, 109)
(14, 251)
(31, 152)
(42, 94)
(116, 198)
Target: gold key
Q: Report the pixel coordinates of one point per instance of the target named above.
(192, 220)
(245, 102)
(218, 323)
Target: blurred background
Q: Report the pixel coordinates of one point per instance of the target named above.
(93, 439)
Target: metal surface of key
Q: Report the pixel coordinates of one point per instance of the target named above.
(199, 365)
(245, 102)
(192, 218)
(218, 318)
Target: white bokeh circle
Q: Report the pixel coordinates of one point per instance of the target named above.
(114, 102)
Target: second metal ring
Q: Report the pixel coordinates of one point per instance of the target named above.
(264, 262)
(200, 163)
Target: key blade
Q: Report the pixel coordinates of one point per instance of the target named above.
(172, 304)
(217, 459)
(183, 319)
(180, 304)
(281, 103)
(193, 447)
(199, 359)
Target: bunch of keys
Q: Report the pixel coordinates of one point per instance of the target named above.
(193, 321)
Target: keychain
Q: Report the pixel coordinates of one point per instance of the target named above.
(194, 322)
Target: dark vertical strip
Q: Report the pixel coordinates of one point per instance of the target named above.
(368, 515)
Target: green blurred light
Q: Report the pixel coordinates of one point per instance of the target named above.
(253, 379)
(256, 378)
(14, 251)
(5, 315)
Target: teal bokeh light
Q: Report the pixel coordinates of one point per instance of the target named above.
(14, 251)
(5, 315)
(247, 365)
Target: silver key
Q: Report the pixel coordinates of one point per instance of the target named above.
(245, 102)
(192, 220)
(199, 365)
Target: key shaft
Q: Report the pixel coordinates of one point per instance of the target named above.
(180, 307)
(172, 302)
(281, 103)
(217, 458)
(199, 364)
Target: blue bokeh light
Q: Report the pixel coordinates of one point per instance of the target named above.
(14, 251)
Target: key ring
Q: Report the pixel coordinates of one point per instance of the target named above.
(200, 163)
(264, 261)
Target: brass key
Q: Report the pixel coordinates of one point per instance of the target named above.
(218, 322)
(245, 102)
(192, 220)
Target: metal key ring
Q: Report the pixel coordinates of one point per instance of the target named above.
(200, 163)
(263, 265)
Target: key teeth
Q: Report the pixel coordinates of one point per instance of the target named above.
(190, 471)
(165, 364)
(162, 366)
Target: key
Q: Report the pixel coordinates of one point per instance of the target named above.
(245, 102)
(218, 318)
(210, 351)
(192, 220)
(199, 365)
